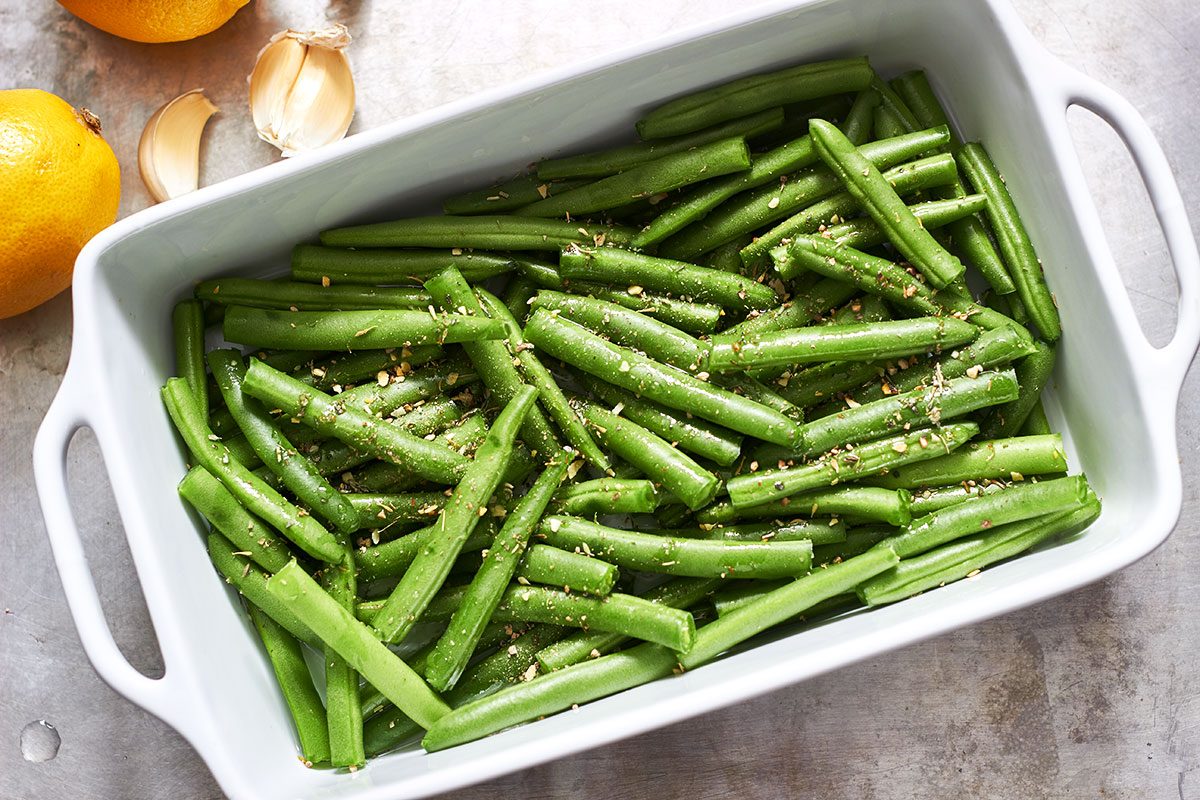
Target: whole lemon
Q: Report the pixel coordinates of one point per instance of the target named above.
(63, 186)
(155, 20)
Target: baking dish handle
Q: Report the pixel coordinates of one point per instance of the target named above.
(66, 416)
(1170, 362)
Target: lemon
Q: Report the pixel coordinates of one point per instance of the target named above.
(155, 20)
(61, 185)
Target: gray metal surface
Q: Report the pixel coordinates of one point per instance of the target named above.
(1091, 695)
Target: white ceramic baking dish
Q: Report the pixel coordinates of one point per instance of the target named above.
(1115, 393)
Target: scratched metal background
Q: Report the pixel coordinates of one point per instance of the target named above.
(1092, 695)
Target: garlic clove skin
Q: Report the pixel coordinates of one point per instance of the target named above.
(169, 150)
(302, 89)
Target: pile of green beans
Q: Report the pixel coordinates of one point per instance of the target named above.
(734, 365)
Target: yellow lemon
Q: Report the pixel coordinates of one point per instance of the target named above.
(61, 185)
(155, 20)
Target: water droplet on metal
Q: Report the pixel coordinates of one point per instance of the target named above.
(39, 741)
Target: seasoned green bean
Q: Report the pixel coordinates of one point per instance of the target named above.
(187, 319)
(826, 295)
(678, 473)
(861, 502)
(297, 473)
(1036, 423)
(428, 571)
(1004, 459)
(450, 655)
(572, 572)
(674, 388)
(875, 194)
(1013, 239)
(1033, 373)
(758, 488)
(353, 330)
(755, 93)
(304, 531)
(620, 159)
(697, 436)
(359, 429)
(550, 396)
(508, 196)
(863, 232)
(624, 326)
(625, 268)
(342, 706)
(380, 266)
(296, 296)
(697, 558)
(503, 232)
(661, 175)
(251, 583)
(606, 496)
(296, 686)
(248, 533)
(353, 641)
(859, 342)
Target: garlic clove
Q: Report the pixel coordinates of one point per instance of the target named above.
(169, 150)
(302, 90)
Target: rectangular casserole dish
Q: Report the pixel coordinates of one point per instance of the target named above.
(999, 85)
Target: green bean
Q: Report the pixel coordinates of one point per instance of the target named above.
(661, 175)
(764, 168)
(748, 386)
(572, 343)
(796, 117)
(919, 407)
(573, 572)
(625, 268)
(359, 429)
(758, 488)
(818, 301)
(875, 194)
(785, 603)
(491, 232)
(295, 296)
(493, 361)
(518, 294)
(1033, 372)
(726, 258)
(820, 383)
(994, 348)
(428, 571)
(606, 496)
(379, 510)
(881, 277)
(616, 613)
(755, 93)
(996, 459)
(927, 500)
(1018, 502)
(450, 655)
(858, 541)
(743, 593)
(187, 319)
(862, 502)
(967, 556)
(678, 473)
(1036, 423)
(251, 583)
(675, 593)
(694, 318)
(794, 531)
(550, 396)
(619, 159)
(755, 209)
(508, 196)
(895, 105)
(697, 558)
(463, 438)
(347, 369)
(251, 491)
(969, 233)
(885, 124)
(297, 473)
(353, 330)
(249, 534)
(860, 342)
(353, 641)
(658, 340)
(864, 232)
(697, 436)
(859, 119)
(391, 559)
(296, 686)
(379, 266)
(507, 666)
(1015, 244)
(867, 308)
(342, 706)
